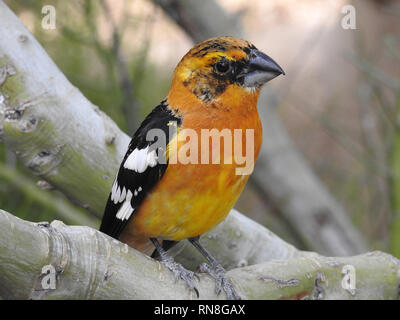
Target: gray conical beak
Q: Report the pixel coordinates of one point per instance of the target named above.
(261, 69)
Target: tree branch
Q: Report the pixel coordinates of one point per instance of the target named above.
(64, 209)
(90, 265)
(201, 19)
(54, 130)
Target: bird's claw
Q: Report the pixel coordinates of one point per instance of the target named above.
(222, 281)
(181, 273)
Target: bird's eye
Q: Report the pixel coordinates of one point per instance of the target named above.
(223, 65)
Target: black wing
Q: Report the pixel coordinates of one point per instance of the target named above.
(139, 172)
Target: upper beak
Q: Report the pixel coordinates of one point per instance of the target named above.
(260, 69)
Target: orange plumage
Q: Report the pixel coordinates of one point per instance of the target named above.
(215, 87)
(192, 198)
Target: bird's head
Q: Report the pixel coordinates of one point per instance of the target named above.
(215, 65)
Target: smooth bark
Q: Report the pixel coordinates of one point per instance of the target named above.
(88, 264)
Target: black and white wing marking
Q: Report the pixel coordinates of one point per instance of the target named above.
(139, 172)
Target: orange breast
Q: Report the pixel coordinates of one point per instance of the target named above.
(192, 198)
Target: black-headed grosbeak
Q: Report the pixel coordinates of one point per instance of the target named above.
(157, 203)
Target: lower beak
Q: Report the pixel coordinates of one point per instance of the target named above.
(261, 69)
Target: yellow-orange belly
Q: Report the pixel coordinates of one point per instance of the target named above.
(195, 199)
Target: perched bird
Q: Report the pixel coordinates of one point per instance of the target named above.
(156, 202)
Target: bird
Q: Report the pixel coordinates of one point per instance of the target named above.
(171, 186)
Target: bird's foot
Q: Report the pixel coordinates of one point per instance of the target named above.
(222, 281)
(180, 272)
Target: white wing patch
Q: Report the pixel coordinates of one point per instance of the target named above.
(126, 209)
(117, 194)
(123, 195)
(139, 160)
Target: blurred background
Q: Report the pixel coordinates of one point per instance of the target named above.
(335, 115)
